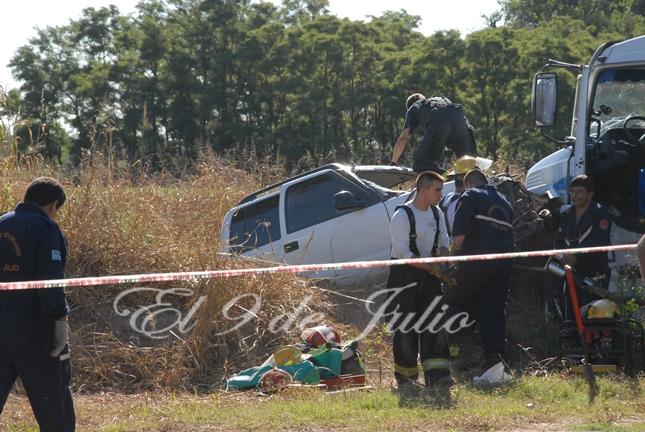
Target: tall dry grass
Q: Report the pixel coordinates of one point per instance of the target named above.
(131, 222)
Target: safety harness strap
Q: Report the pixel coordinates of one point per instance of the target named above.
(453, 198)
(413, 229)
(580, 239)
(435, 244)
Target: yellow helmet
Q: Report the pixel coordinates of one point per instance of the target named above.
(467, 163)
(286, 356)
(603, 308)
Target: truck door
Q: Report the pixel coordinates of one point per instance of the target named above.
(316, 231)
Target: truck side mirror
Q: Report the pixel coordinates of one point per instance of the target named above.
(544, 99)
(345, 200)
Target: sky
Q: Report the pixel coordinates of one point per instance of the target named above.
(21, 17)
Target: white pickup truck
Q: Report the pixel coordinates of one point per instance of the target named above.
(335, 213)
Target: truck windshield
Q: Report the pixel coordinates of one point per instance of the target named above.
(620, 93)
(617, 154)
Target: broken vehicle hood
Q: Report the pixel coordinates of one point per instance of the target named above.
(384, 175)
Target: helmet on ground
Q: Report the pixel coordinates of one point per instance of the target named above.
(320, 335)
(275, 378)
(286, 356)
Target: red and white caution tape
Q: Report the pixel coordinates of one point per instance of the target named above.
(306, 268)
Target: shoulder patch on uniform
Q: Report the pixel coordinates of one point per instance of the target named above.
(604, 224)
(56, 256)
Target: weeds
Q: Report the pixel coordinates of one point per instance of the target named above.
(133, 222)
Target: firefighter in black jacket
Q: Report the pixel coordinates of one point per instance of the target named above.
(34, 336)
(442, 123)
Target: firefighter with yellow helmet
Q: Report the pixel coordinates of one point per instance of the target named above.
(462, 165)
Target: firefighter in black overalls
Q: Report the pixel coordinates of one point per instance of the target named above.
(34, 336)
(442, 123)
(418, 230)
(483, 224)
(585, 224)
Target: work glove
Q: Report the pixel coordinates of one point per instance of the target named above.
(444, 272)
(61, 336)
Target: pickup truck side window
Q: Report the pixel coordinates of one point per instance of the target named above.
(312, 201)
(255, 225)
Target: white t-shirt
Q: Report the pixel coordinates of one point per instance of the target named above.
(451, 210)
(426, 228)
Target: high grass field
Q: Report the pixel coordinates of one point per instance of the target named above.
(124, 221)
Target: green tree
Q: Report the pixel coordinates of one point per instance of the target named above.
(492, 65)
(596, 13)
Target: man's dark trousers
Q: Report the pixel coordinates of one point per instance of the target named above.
(481, 289)
(447, 127)
(24, 351)
(407, 346)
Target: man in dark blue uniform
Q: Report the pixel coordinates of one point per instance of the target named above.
(442, 123)
(34, 336)
(483, 224)
(585, 224)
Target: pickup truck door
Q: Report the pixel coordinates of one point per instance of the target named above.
(316, 231)
(362, 235)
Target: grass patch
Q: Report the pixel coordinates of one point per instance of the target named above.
(530, 403)
(529, 400)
